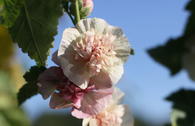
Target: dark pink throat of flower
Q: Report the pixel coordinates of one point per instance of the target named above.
(72, 93)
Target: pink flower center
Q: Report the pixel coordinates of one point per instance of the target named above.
(72, 93)
(96, 50)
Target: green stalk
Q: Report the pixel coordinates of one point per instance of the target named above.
(77, 16)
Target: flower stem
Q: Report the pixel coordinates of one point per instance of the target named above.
(77, 16)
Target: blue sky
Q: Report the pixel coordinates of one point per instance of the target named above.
(145, 82)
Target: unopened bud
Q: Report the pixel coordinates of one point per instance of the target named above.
(87, 7)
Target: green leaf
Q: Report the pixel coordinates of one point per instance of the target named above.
(30, 88)
(191, 6)
(169, 55)
(9, 11)
(33, 73)
(184, 100)
(26, 92)
(36, 26)
(132, 51)
(190, 27)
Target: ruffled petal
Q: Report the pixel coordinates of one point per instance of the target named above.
(55, 58)
(117, 96)
(76, 73)
(96, 24)
(74, 70)
(116, 73)
(79, 114)
(122, 45)
(122, 49)
(86, 122)
(58, 102)
(127, 117)
(115, 115)
(101, 81)
(48, 81)
(93, 102)
(69, 35)
(89, 122)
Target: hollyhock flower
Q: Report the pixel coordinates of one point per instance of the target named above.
(113, 115)
(85, 102)
(91, 48)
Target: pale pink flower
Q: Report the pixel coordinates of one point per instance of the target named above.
(114, 114)
(85, 102)
(91, 48)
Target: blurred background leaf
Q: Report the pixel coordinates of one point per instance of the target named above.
(10, 81)
(10, 113)
(183, 100)
(6, 48)
(171, 53)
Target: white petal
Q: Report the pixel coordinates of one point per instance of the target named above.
(122, 45)
(75, 71)
(122, 49)
(117, 95)
(116, 31)
(69, 35)
(97, 24)
(116, 73)
(55, 58)
(89, 122)
(127, 118)
(86, 122)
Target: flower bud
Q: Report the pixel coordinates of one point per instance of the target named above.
(87, 7)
